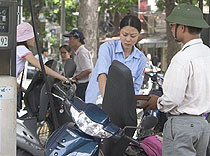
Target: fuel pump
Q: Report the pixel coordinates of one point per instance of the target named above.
(8, 83)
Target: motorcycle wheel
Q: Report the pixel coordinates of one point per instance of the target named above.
(21, 152)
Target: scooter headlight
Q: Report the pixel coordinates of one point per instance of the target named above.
(87, 125)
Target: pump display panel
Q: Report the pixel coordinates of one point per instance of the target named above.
(8, 25)
(4, 25)
(4, 19)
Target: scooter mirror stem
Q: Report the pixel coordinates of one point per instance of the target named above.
(130, 127)
(132, 140)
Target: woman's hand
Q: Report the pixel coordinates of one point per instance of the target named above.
(68, 80)
(99, 100)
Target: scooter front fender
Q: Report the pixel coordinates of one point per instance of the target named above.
(70, 141)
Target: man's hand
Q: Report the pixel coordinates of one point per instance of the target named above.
(72, 80)
(152, 103)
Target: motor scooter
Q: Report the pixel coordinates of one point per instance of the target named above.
(95, 131)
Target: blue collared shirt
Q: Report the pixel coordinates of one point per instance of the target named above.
(109, 51)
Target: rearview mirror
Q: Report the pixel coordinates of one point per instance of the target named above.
(149, 122)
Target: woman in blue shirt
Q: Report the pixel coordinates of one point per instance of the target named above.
(123, 50)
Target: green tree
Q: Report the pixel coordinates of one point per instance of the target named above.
(115, 9)
(161, 4)
(121, 6)
(51, 9)
(37, 7)
(52, 12)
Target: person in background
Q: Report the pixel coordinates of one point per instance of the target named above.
(44, 55)
(83, 61)
(152, 64)
(25, 40)
(156, 61)
(123, 50)
(186, 87)
(65, 53)
(149, 65)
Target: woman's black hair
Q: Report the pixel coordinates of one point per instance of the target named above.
(132, 21)
(65, 47)
(23, 43)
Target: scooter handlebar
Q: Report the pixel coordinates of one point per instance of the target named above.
(121, 134)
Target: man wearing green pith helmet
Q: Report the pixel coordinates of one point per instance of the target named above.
(186, 87)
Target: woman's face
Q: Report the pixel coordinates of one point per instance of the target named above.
(31, 42)
(129, 36)
(64, 54)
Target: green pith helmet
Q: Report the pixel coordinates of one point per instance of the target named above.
(187, 14)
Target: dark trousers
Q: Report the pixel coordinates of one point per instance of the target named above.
(80, 91)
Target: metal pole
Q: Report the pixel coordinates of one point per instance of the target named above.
(55, 120)
(62, 22)
(20, 12)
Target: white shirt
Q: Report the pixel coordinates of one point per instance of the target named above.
(186, 86)
(45, 59)
(83, 62)
(21, 52)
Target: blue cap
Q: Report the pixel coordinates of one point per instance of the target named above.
(77, 34)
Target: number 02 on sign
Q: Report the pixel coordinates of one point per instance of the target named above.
(3, 41)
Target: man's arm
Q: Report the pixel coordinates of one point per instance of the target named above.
(82, 74)
(174, 86)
